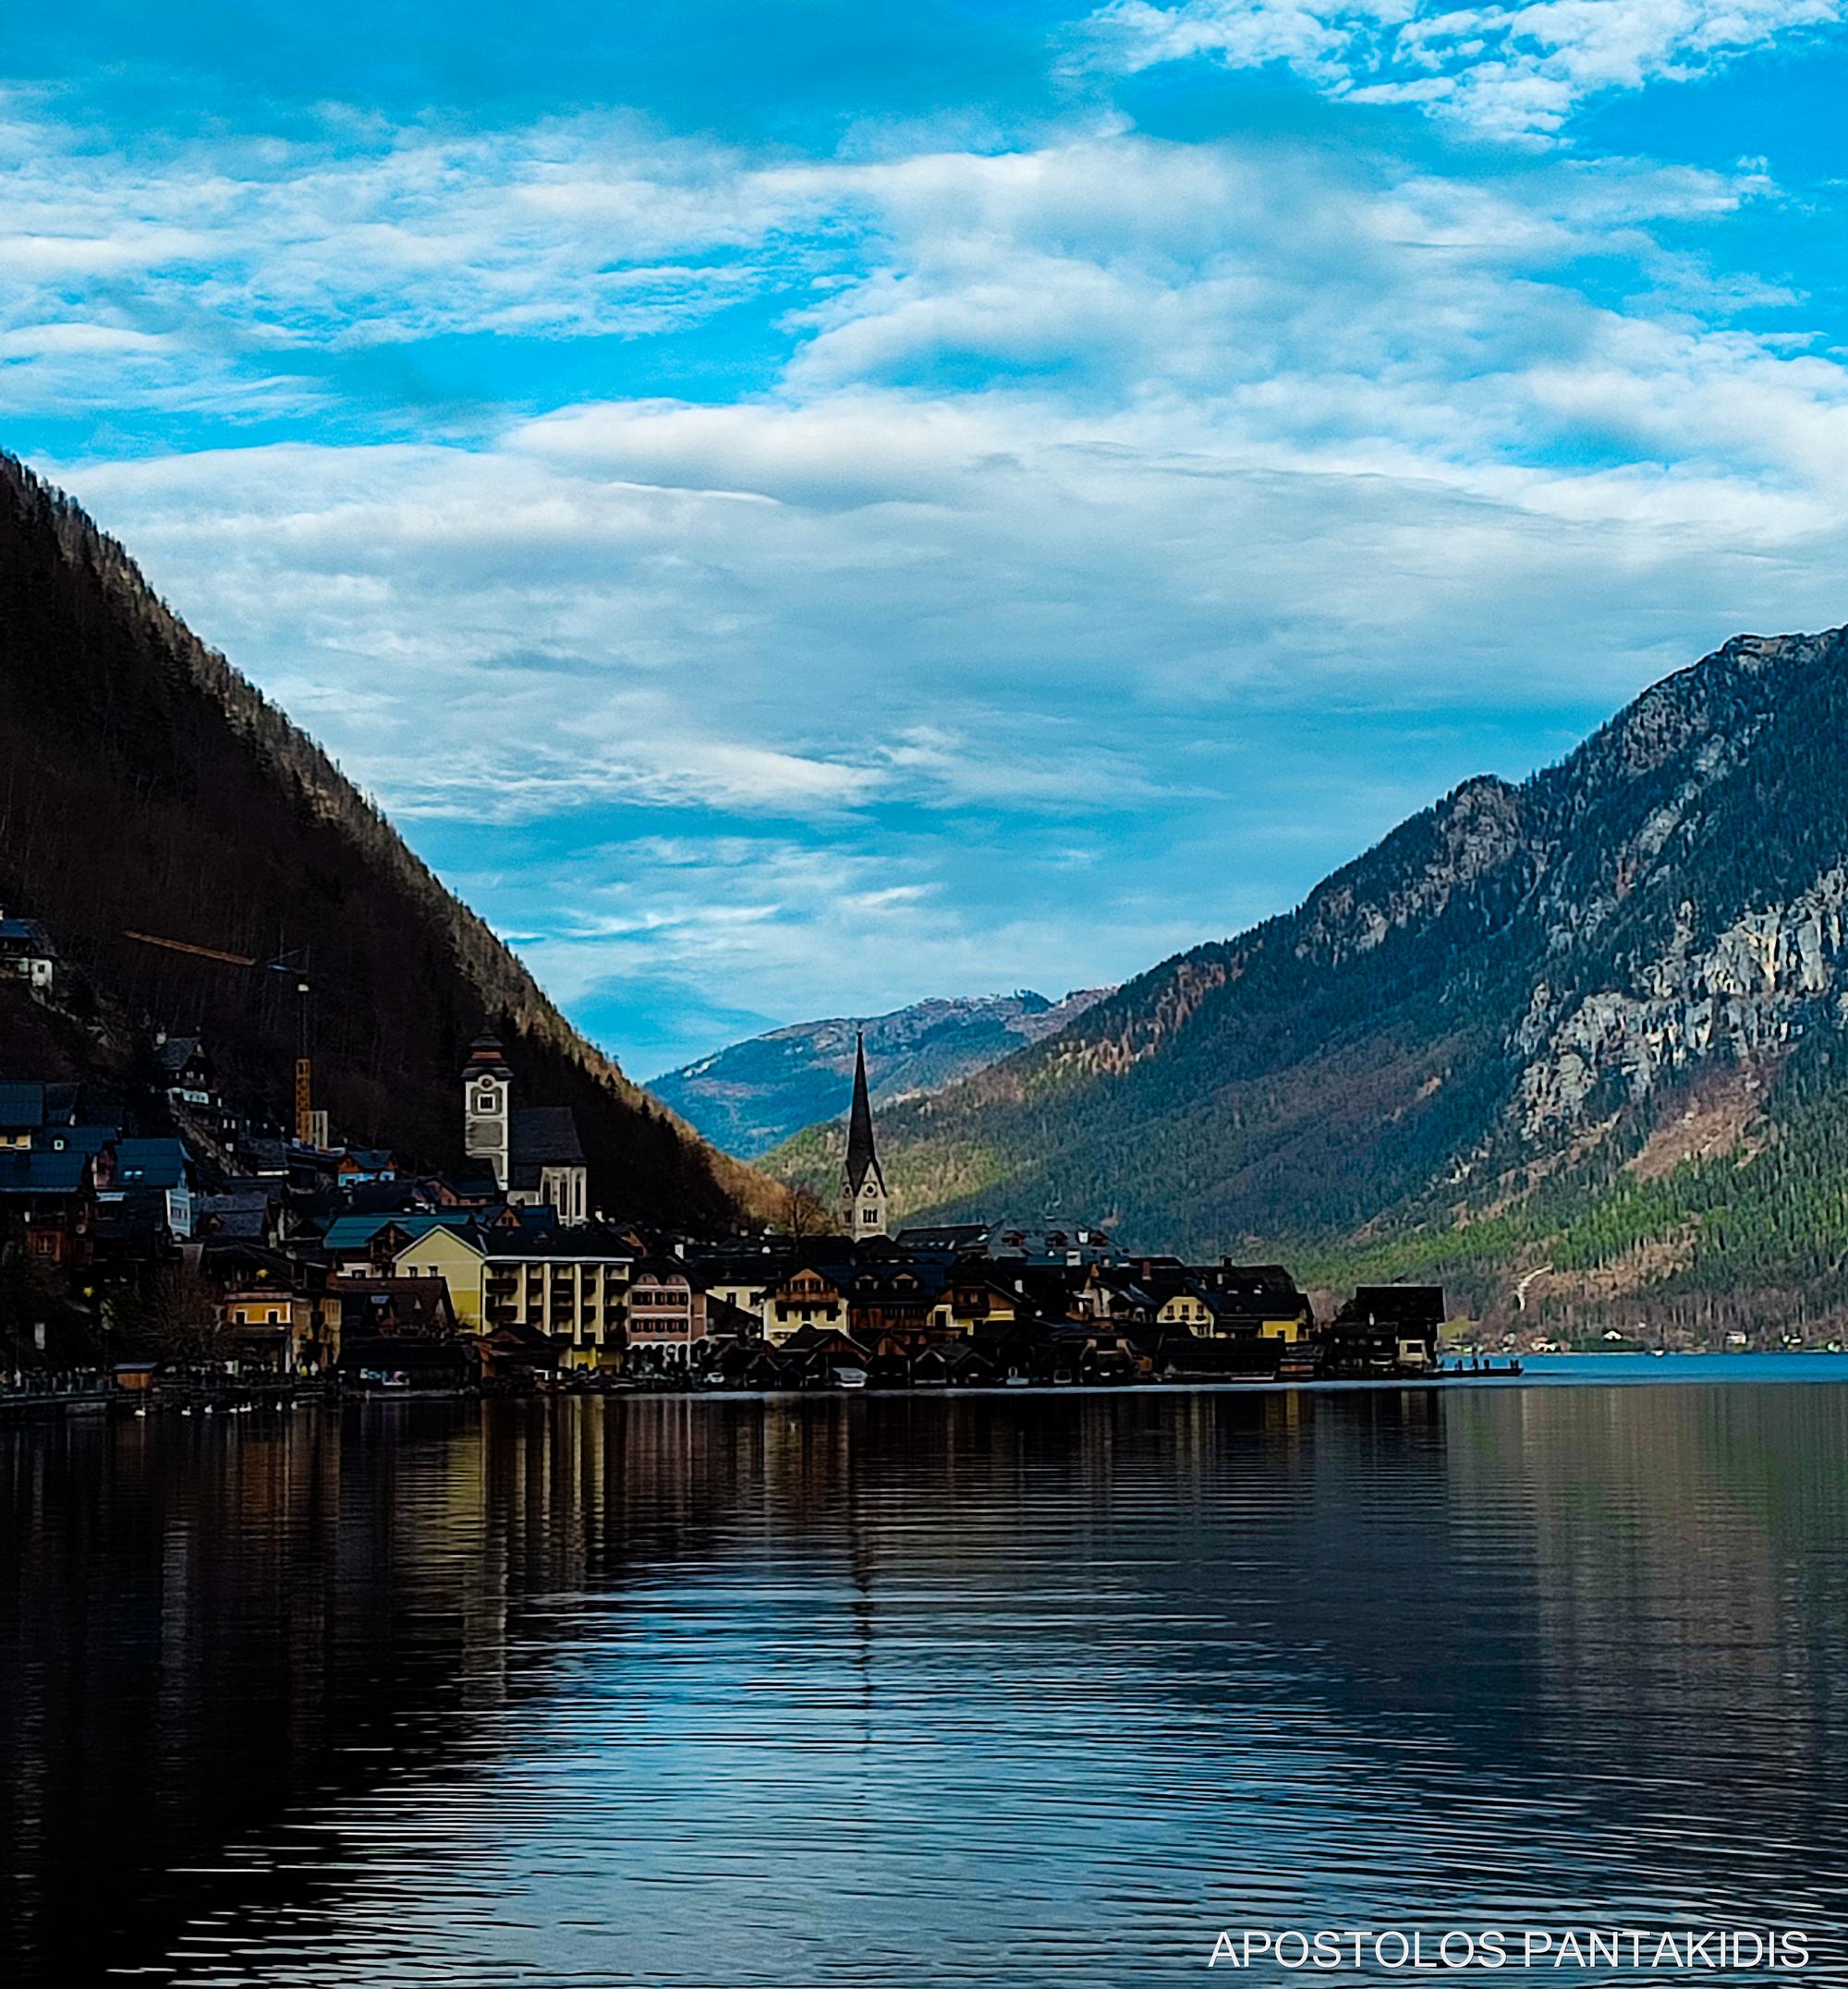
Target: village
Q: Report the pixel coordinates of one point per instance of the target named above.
(173, 1248)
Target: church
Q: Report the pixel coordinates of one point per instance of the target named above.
(863, 1197)
(534, 1152)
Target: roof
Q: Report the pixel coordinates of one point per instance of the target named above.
(1016, 1243)
(26, 936)
(383, 1197)
(660, 1270)
(902, 1280)
(238, 1196)
(353, 1232)
(175, 1052)
(944, 1236)
(246, 1225)
(371, 1303)
(862, 1159)
(580, 1242)
(40, 1172)
(22, 1106)
(544, 1135)
(56, 1138)
(150, 1163)
(1398, 1304)
(733, 1265)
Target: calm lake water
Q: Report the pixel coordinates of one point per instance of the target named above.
(1003, 1689)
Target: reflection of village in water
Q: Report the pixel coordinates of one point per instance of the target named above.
(342, 1678)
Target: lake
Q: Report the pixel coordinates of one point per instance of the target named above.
(1015, 1690)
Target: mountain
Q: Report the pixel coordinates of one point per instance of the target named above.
(146, 786)
(1575, 1045)
(755, 1093)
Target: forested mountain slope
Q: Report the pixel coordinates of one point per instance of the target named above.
(754, 1094)
(1593, 1022)
(145, 785)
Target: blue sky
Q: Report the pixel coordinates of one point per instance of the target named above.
(795, 507)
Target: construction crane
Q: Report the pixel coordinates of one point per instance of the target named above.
(287, 963)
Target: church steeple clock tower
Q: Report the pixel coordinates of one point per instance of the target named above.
(862, 1184)
(487, 1119)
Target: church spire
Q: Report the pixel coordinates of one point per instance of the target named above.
(863, 1182)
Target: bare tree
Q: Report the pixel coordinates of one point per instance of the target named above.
(176, 1314)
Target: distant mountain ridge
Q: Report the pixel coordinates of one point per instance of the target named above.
(752, 1096)
(145, 786)
(1585, 1038)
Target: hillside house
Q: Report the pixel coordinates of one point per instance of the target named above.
(53, 1198)
(28, 1111)
(27, 953)
(155, 1168)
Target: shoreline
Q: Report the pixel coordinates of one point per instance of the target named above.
(1714, 1369)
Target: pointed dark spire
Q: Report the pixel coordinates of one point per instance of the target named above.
(860, 1153)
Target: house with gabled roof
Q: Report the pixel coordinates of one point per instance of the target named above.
(155, 1167)
(27, 953)
(53, 1197)
(28, 1111)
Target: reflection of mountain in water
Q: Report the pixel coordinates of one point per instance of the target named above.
(681, 1689)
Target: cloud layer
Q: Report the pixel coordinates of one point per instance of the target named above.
(823, 580)
(1509, 71)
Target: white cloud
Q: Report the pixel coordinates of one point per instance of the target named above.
(1509, 71)
(1047, 609)
(370, 236)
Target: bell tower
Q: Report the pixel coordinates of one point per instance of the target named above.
(863, 1194)
(487, 1117)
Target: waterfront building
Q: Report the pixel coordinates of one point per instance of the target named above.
(904, 1298)
(1258, 1301)
(740, 1275)
(1386, 1328)
(805, 1298)
(572, 1285)
(273, 1328)
(667, 1310)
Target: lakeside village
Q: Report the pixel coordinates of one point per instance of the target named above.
(204, 1254)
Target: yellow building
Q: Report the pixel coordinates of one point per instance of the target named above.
(269, 1327)
(457, 1255)
(573, 1287)
(972, 1301)
(804, 1297)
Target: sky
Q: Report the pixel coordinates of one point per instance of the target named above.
(797, 506)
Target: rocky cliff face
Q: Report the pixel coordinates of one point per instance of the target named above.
(1487, 1016)
(1766, 979)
